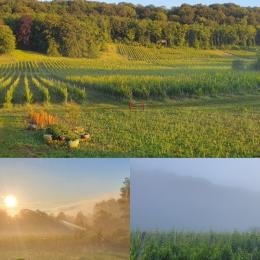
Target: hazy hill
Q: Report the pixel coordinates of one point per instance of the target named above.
(165, 201)
(29, 222)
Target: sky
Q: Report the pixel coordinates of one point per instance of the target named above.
(195, 194)
(48, 184)
(242, 173)
(169, 3)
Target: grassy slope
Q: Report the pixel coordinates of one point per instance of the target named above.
(205, 127)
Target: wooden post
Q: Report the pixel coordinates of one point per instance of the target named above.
(142, 105)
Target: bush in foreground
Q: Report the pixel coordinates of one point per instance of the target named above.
(7, 39)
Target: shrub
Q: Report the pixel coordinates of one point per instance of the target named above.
(53, 49)
(57, 130)
(7, 39)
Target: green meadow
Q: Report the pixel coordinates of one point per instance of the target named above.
(195, 104)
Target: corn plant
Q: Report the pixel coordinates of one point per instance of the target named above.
(43, 90)
(28, 93)
(58, 90)
(10, 92)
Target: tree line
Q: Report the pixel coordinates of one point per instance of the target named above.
(109, 222)
(81, 29)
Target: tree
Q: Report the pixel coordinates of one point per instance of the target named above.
(38, 38)
(24, 32)
(81, 220)
(7, 39)
(125, 200)
(53, 49)
(82, 28)
(61, 216)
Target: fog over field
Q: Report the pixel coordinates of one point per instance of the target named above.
(195, 195)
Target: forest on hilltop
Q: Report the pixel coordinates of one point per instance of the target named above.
(81, 28)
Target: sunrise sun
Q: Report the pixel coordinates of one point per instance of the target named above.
(10, 201)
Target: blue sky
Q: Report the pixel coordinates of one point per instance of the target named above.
(243, 173)
(59, 181)
(168, 3)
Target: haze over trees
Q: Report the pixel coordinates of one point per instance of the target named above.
(81, 29)
(178, 215)
(170, 201)
(108, 224)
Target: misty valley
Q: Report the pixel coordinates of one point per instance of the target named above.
(195, 209)
(37, 235)
(34, 234)
(81, 216)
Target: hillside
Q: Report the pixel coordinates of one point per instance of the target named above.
(35, 223)
(190, 204)
(83, 28)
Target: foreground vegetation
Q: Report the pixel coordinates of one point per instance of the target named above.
(60, 247)
(196, 246)
(179, 130)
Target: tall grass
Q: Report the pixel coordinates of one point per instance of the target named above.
(28, 93)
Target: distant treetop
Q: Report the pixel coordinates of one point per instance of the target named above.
(82, 28)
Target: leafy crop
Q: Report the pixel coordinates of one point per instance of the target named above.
(196, 104)
(188, 245)
(30, 82)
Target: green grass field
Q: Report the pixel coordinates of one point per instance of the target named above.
(195, 104)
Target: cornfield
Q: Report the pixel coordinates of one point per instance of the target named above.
(30, 82)
(191, 245)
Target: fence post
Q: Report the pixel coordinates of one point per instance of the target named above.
(142, 105)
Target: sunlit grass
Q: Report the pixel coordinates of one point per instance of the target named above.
(54, 248)
(196, 107)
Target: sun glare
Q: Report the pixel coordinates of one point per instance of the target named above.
(10, 201)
